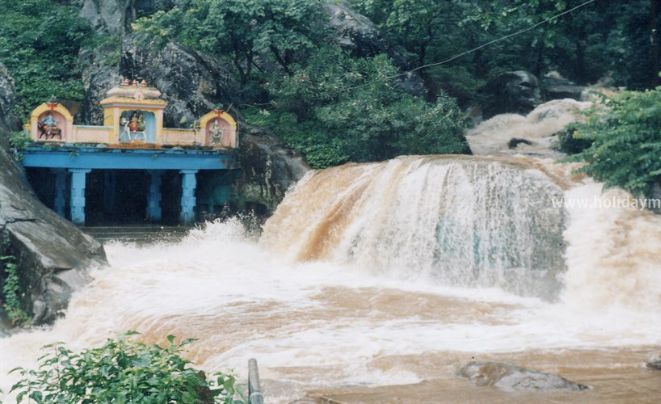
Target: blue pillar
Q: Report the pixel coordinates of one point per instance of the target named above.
(154, 211)
(188, 202)
(60, 190)
(109, 191)
(78, 177)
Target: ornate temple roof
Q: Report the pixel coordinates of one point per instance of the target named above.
(135, 91)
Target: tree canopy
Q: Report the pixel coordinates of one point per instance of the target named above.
(336, 105)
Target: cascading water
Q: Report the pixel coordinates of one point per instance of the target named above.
(391, 274)
(456, 220)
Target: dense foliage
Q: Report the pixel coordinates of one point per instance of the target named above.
(377, 120)
(245, 30)
(39, 44)
(121, 371)
(338, 104)
(607, 39)
(626, 141)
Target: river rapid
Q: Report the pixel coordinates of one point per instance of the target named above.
(376, 282)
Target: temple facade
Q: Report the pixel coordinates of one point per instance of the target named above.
(130, 159)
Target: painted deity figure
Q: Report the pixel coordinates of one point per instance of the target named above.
(132, 128)
(216, 132)
(133, 125)
(48, 127)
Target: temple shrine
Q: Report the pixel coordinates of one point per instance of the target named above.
(122, 169)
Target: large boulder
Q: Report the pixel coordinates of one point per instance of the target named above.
(654, 363)
(100, 73)
(512, 92)
(51, 253)
(354, 31)
(115, 16)
(554, 87)
(192, 83)
(359, 35)
(111, 16)
(513, 378)
(269, 169)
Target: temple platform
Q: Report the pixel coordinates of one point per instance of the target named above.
(127, 183)
(131, 169)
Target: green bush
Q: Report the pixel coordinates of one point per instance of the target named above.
(121, 371)
(12, 294)
(626, 141)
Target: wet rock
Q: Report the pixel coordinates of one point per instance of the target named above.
(512, 92)
(269, 169)
(106, 15)
(512, 378)
(554, 86)
(355, 32)
(51, 253)
(515, 141)
(535, 134)
(654, 363)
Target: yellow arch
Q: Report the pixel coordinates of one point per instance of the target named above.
(48, 107)
(217, 114)
(45, 107)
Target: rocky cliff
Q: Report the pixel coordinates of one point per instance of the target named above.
(51, 253)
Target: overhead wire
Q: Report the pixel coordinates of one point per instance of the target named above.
(459, 55)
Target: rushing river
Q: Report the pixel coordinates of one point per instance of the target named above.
(376, 282)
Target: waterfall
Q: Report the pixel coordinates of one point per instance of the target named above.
(394, 273)
(459, 221)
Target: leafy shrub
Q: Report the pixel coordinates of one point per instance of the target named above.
(626, 141)
(12, 294)
(121, 371)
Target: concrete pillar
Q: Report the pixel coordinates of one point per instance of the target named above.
(154, 211)
(109, 191)
(188, 202)
(60, 200)
(78, 178)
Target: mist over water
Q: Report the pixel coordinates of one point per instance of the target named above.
(365, 265)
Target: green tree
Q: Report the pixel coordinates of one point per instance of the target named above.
(606, 37)
(626, 141)
(243, 30)
(39, 44)
(347, 109)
